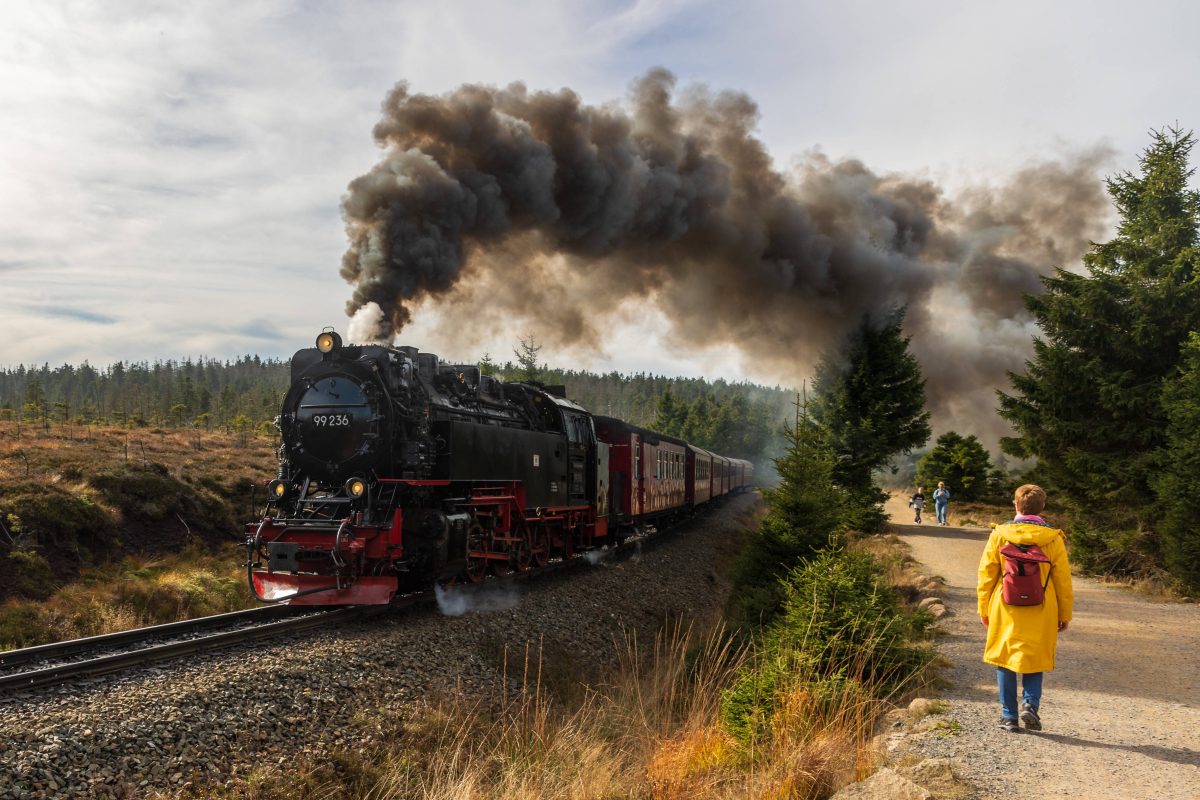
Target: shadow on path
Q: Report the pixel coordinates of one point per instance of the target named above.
(936, 532)
(1176, 755)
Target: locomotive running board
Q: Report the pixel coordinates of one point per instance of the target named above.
(278, 587)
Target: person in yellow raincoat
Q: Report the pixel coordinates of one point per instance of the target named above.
(1021, 640)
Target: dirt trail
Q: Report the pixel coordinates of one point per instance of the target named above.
(1121, 712)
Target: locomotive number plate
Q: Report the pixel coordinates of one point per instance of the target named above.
(331, 420)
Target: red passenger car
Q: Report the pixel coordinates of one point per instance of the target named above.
(699, 476)
(647, 471)
(743, 474)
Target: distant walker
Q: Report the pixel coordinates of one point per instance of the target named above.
(941, 502)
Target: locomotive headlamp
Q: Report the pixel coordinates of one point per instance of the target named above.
(277, 490)
(328, 341)
(356, 487)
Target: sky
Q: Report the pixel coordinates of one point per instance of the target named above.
(173, 172)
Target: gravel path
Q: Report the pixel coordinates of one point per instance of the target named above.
(1121, 712)
(162, 728)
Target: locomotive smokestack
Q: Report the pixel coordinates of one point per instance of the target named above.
(532, 204)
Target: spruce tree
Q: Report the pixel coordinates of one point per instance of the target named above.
(1178, 483)
(669, 414)
(527, 359)
(869, 399)
(1089, 405)
(962, 463)
(805, 512)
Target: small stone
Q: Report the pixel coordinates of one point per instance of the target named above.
(927, 602)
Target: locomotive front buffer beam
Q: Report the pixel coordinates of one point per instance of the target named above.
(313, 566)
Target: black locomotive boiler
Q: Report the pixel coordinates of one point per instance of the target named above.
(397, 470)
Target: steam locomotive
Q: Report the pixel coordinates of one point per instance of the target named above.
(396, 470)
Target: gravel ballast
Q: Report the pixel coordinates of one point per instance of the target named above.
(162, 728)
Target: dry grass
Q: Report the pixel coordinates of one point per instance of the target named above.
(903, 572)
(979, 515)
(651, 730)
(654, 727)
(1157, 587)
(108, 528)
(131, 594)
(66, 454)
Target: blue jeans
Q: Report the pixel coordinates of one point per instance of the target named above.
(1031, 691)
(943, 510)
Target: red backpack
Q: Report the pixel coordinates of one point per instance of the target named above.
(1023, 584)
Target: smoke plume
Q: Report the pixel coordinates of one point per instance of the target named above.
(498, 204)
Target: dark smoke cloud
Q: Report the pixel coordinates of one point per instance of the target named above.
(507, 204)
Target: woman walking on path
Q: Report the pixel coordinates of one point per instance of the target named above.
(1022, 639)
(941, 501)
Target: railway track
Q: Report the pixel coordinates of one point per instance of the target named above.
(32, 668)
(63, 662)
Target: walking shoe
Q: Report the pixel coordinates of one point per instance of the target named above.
(1010, 725)
(1029, 716)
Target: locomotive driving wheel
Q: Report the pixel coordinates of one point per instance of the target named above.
(479, 545)
(540, 550)
(523, 556)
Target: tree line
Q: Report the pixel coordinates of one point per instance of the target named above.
(244, 395)
(737, 419)
(204, 393)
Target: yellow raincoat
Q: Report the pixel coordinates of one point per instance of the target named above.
(1023, 638)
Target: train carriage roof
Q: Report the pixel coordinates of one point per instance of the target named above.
(651, 437)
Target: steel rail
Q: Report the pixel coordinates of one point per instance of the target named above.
(71, 647)
(62, 673)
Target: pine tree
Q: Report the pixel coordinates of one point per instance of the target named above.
(962, 463)
(805, 510)
(527, 358)
(870, 401)
(1089, 406)
(669, 414)
(1178, 483)
(35, 399)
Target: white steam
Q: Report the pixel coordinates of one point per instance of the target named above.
(483, 598)
(368, 326)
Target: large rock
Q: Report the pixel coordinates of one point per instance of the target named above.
(929, 601)
(923, 706)
(930, 771)
(887, 784)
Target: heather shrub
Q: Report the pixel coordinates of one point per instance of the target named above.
(23, 625)
(31, 575)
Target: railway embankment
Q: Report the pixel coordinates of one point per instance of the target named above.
(278, 713)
